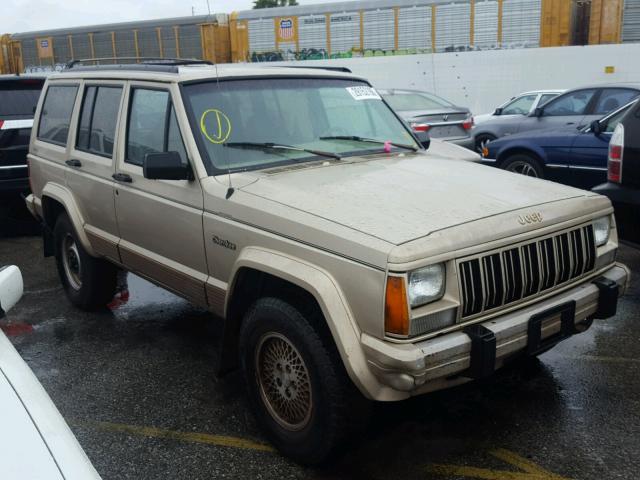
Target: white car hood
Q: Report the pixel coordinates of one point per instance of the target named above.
(23, 453)
(35, 441)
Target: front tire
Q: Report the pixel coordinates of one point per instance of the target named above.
(524, 165)
(298, 388)
(89, 282)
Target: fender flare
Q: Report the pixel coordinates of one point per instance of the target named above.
(64, 196)
(326, 291)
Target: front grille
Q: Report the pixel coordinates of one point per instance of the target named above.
(515, 273)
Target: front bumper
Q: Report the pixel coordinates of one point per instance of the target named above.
(460, 356)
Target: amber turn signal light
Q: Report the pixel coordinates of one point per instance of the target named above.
(396, 308)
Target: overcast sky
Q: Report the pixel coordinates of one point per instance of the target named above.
(28, 15)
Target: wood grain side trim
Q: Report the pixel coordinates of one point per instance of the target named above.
(182, 284)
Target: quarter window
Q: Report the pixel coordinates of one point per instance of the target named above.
(153, 126)
(56, 113)
(96, 133)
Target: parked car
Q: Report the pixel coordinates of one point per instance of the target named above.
(35, 441)
(575, 108)
(18, 99)
(566, 155)
(523, 104)
(623, 185)
(347, 262)
(426, 112)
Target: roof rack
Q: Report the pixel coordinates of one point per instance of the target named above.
(318, 67)
(137, 63)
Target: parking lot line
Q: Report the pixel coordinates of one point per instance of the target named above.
(193, 437)
(530, 471)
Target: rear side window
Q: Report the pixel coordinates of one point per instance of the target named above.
(97, 129)
(19, 98)
(56, 114)
(612, 99)
(153, 127)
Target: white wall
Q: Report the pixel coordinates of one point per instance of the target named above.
(482, 80)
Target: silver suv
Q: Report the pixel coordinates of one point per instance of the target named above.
(346, 262)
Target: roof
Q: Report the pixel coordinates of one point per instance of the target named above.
(608, 85)
(168, 73)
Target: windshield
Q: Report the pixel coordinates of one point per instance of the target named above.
(403, 101)
(296, 112)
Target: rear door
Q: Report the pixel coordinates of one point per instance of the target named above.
(160, 221)
(91, 162)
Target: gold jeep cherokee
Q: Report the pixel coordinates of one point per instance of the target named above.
(346, 261)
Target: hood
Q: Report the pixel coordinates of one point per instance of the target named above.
(400, 198)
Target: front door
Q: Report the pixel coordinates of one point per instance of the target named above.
(589, 153)
(567, 110)
(160, 221)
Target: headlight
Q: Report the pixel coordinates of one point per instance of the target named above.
(426, 284)
(601, 229)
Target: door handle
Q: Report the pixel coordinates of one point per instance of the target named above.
(74, 163)
(571, 123)
(122, 177)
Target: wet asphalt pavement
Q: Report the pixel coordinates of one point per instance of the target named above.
(136, 385)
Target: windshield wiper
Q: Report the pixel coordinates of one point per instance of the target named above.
(279, 146)
(356, 138)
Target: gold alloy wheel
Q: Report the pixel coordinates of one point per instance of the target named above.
(283, 380)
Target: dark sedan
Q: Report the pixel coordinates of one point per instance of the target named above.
(576, 157)
(426, 112)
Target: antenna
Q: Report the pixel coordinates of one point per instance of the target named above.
(208, 8)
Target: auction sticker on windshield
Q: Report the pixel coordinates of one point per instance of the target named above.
(363, 93)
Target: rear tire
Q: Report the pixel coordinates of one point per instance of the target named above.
(89, 282)
(524, 165)
(298, 388)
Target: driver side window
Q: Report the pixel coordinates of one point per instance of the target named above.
(152, 126)
(574, 103)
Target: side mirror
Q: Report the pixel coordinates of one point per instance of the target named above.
(165, 166)
(538, 112)
(424, 139)
(498, 111)
(596, 127)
